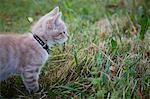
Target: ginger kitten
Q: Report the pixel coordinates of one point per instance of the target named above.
(26, 54)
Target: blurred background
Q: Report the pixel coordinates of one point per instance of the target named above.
(107, 55)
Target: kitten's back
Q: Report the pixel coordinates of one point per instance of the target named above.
(10, 54)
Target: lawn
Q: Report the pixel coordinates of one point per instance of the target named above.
(106, 57)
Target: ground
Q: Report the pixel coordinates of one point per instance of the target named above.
(106, 56)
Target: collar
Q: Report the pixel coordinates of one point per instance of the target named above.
(41, 42)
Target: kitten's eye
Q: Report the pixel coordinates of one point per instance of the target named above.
(64, 32)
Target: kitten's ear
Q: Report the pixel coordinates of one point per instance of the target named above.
(54, 11)
(58, 18)
(60, 14)
(53, 19)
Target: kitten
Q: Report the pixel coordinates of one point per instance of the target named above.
(26, 54)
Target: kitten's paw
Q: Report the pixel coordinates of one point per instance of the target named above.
(33, 90)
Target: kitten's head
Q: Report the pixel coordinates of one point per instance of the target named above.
(51, 28)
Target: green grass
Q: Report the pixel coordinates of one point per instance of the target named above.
(95, 63)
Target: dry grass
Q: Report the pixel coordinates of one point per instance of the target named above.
(105, 56)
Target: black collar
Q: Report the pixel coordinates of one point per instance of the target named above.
(44, 45)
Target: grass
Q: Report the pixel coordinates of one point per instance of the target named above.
(112, 63)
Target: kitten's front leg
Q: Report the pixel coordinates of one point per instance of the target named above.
(30, 78)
